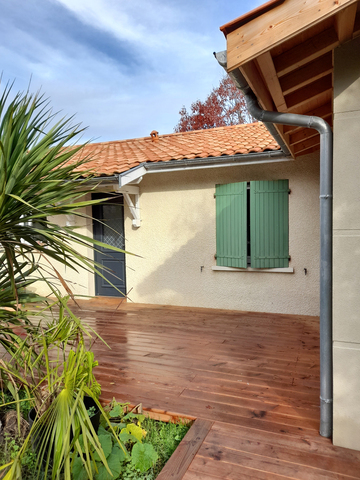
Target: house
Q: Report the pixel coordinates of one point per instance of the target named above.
(217, 218)
(224, 218)
(304, 58)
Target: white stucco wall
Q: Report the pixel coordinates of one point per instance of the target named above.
(176, 242)
(80, 282)
(346, 318)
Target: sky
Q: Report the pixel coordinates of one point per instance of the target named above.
(122, 67)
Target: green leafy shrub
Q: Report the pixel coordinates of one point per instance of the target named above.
(7, 402)
(149, 445)
(165, 438)
(118, 424)
(9, 451)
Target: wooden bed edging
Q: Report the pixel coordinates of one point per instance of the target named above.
(154, 413)
(179, 462)
(165, 416)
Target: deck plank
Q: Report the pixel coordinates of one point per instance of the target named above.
(265, 463)
(250, 379)
(242, 443)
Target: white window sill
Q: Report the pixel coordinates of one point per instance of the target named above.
(249, 269)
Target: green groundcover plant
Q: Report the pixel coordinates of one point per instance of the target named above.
(149, 445)
(126, 427)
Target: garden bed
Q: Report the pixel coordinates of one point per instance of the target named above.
(175, 440)
(186, 450)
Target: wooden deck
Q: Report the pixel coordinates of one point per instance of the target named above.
(250, 379)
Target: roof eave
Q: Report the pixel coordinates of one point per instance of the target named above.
(135, 173)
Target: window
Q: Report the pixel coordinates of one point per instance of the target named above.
(252, 224)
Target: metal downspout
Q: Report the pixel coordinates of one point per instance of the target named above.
(326, 172)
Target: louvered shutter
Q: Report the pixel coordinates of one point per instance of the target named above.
(269, 224)
(231, 241)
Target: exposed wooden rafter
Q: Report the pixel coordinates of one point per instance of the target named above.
(302, 135)
(286, 54)
(304, 94)
(307, 74)
(259, 87)
(306, 52)
(344, 23)
(309, 150)
(267, 69)
(306, 144)
(277, 25)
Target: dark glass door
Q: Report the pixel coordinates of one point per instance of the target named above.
(111, 232)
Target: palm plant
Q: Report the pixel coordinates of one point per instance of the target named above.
(56, 370)
(43, 174)
(39, 168)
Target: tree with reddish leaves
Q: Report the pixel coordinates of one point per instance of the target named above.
(225, 105)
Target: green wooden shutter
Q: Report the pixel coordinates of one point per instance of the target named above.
(231, 249)
(269, 224)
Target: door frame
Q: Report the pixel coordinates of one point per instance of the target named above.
(98, 233)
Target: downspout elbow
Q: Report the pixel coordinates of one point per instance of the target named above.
(251, 101)
(266, 116)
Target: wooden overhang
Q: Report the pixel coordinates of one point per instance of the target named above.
(284, 49)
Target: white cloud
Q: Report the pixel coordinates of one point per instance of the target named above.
(125, 68)
(157, 31)
(136, 21)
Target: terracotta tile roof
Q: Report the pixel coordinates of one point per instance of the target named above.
(113, 157)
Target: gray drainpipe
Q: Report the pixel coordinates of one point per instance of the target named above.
(326, 160)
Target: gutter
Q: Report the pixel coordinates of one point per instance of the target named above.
(104, 181)
(134, 174)
(224, 161)
(326, 171)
